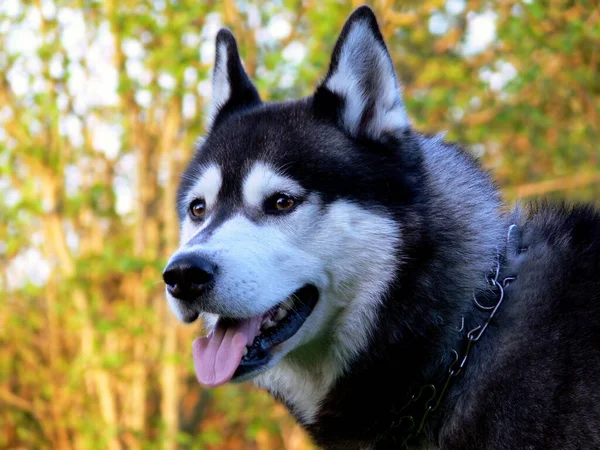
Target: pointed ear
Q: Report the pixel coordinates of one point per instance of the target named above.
(360, 90)
(232, 89)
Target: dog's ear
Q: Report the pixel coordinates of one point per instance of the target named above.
(232, 89)
(361, 91)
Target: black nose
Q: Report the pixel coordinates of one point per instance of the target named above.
(189, 275)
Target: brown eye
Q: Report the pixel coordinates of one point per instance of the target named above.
(197, 208)
(284, 202)
(279, 203)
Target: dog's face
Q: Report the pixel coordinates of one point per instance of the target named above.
(288, 242)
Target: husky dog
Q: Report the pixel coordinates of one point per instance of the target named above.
(366, 276)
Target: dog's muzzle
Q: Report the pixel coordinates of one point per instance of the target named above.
(188, 276)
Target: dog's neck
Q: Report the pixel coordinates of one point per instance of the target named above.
(368, 405)
(349, 405)
(418, 416)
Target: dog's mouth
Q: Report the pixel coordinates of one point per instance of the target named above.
(239, 347)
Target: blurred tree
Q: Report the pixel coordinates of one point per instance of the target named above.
(100, 103)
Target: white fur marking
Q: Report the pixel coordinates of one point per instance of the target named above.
(221, 88)
(207, 187)
(358, 250)
(361, 57)
(348, 252)
(262, 181)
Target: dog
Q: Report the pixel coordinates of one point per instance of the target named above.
(370, 277)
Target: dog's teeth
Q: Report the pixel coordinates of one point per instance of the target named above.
(268, 324)
(245, 351)
(288, 304)
(280, 314)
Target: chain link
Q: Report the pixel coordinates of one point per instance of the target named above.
(435, 398)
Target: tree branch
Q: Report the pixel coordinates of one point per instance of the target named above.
(557, 184)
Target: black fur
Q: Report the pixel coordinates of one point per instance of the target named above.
(531, 381)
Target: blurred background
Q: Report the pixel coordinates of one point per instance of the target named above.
(100, 104)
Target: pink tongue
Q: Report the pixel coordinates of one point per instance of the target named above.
(218, 355)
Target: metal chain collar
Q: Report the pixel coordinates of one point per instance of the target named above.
(435, 396)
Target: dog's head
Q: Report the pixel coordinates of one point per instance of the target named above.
(289, 212)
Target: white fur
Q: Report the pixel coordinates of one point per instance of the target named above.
(259, 265)
(207, 187)
(221, 88)
(262, 182)
(363, 57)
(176, 306)
(348, 252)
(358, 249)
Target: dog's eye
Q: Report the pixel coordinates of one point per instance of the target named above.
(280, 203)
(197, 208)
